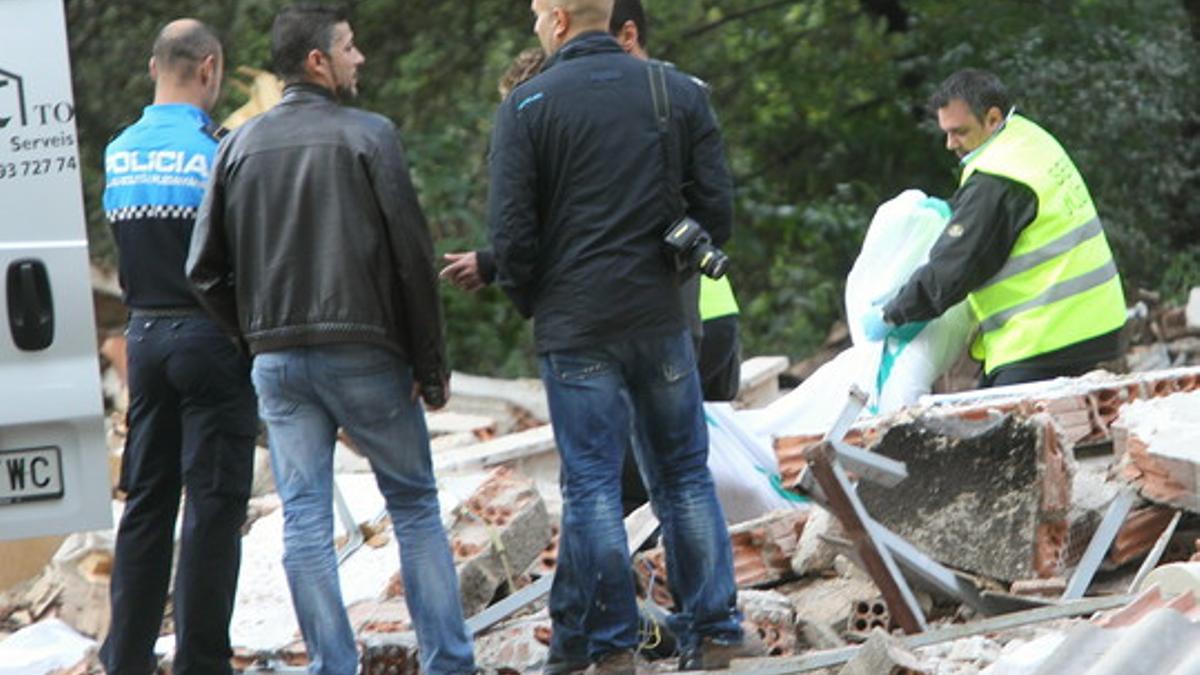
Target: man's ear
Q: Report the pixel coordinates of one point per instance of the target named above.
(992, 119)
(628, 35)
(314, 64)
(153, 68)
(208, 69)
(562, 23)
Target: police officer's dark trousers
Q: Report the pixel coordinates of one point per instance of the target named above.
(192, 423)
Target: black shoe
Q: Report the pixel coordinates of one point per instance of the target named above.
(557, 664)
(623, 662)
(713, 655)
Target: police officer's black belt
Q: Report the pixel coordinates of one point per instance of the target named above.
(159, 312)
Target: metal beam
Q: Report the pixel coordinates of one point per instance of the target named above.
(844, 503)
(639, 526)
(1155, 553)
(1114, 517)
(834, 657)
(858, 401)
(870, 466)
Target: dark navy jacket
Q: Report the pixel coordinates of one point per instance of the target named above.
(155, 174)
(579, 195)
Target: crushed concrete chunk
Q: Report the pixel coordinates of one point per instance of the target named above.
(883, 655)
(989, 497)
(496, 534)
(1158, 441)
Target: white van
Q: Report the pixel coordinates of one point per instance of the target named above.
(53, 459)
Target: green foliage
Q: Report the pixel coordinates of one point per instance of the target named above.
(821, 103)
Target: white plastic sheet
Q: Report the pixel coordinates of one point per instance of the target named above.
(896, 372)
(744, 468)
(43, 647)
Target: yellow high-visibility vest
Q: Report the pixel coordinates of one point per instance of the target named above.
(1060, 284)
(716, 298)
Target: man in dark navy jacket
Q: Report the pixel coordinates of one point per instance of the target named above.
(583, 186)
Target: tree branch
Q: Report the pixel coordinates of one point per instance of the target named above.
(738, 16)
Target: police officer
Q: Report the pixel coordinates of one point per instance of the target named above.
(192, 418)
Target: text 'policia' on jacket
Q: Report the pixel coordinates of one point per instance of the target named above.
(155, 174)
(579, 247)
(1059, 285)
(331, 245)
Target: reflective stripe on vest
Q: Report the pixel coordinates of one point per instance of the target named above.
(716, 298)
(1059, 285)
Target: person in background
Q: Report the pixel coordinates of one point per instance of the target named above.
(712, 309)
(1025, 246)
(577, 208)
(192, 418)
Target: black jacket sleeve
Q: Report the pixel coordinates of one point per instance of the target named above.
(487, 265)
(512, 208)
(412, 252)
(209, 268)
(707, 185)
(988, 214)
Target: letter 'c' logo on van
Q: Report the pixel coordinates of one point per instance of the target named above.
(12, 98)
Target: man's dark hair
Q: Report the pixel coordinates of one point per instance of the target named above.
(979, 89)
(299, 29)
(181, 46)
(629, 10)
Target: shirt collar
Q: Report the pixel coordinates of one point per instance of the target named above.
(966, 159)
(185, 111)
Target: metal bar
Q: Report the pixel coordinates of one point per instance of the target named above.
(834, 657)
(1101, 541)
(509, 604)
(870, 466)
(914, 563)
(354, 535)
(639, 525)
(918, 565)
(844, 504)
(858, 401)
(1155, 553)
(809, 485)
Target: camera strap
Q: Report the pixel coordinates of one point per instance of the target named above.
(657, 72)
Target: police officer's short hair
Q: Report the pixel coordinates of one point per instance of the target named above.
(179, 50)
(299, 29)
(629, 10)
(979, 89)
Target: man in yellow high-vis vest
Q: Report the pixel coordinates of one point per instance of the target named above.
(1024, 246)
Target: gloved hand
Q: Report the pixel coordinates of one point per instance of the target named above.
(874, 325)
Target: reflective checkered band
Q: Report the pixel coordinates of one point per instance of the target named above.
(148, 212)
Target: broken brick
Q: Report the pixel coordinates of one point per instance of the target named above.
(771, 617)
(1158, 443)
(1139, 532)
(389, 654)
(519, 647)
(1042, 588)
(762, 554)
(496, 534)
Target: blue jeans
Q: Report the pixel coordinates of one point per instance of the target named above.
(592, 393)
(304, 396)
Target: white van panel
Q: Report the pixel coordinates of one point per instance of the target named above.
(50, 399)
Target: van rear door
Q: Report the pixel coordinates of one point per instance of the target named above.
(53, 460)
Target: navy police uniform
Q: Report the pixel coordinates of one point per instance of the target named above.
(192, 418)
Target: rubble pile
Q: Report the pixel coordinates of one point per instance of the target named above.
(996, 522)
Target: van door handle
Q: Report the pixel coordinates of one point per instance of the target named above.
(30, 305)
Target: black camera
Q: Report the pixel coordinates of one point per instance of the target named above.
(693, 249)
